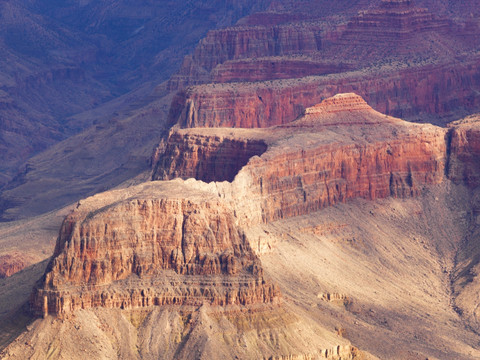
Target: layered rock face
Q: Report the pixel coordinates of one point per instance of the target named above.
(402, 59)
(155, 249)
(273, 68)
(243, 42)
(339, 150)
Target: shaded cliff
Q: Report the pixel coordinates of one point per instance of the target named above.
(464, 144)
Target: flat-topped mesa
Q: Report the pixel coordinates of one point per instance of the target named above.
(338, 103)
(148, 245)
(340, 149)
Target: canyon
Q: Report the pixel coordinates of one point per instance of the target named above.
(295, 188)
(189, 244)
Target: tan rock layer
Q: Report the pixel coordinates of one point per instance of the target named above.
(167, 290)
(345, 352)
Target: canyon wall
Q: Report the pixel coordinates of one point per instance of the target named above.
(243, 42)
(464, 144)
(392, 21)
(403, 60)
(407, 93)
(263, 69)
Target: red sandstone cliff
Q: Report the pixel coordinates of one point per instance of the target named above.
(402, 59)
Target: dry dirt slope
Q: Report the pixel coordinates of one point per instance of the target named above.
(376, 274)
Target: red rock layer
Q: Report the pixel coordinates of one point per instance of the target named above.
(204, 158)
(406, 93)
(273, 68)
(340, 150)
(464, 144)
(153, 249)
(301, 182)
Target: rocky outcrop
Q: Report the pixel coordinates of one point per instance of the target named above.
(10, 264)
(150, 246)
(406, 93)
(464, 146)
(345, 352)
(339, 150)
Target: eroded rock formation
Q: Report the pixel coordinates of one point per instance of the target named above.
(204, 158)
(148, 246)
(401, 58)
(393, 20)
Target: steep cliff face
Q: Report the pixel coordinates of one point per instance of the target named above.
(155, 249)
(274, 68)
(339, 150)
(464, 144)
(401, 58)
